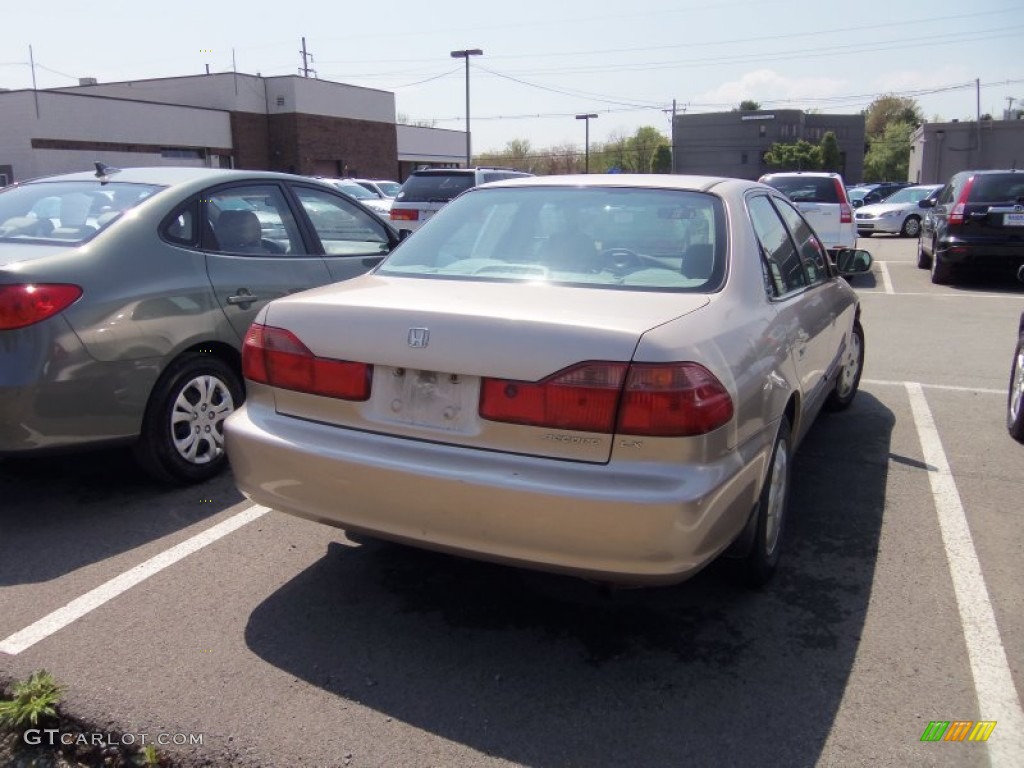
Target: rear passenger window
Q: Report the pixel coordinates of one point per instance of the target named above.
(251, 220)
(785, 268)
(810, 248)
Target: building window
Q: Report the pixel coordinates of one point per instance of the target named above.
(192, 154)
(280, 101)
(743, 158)
(762, 130)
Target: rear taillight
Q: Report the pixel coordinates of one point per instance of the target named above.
(404, 214)
(668, 400)
(673, 400)
(24, 305)
(583, 397)
(956, 213)
(276, 357)
(845, 211)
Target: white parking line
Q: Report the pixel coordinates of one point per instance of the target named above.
(948, 387)
(93, 599)
(993, 681)
(886, 282)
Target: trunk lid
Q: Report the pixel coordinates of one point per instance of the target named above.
(431, 341)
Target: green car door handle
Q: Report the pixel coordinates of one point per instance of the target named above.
(243, 298)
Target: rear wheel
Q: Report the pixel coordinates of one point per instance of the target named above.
(942, 271)
(182, 437)
(763, 560)
(911, 227)
(848, 381)
(923, 261)
(1015, 401)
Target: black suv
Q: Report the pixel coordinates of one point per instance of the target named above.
(977, 221)
(426, 192)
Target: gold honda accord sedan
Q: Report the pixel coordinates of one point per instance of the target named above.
(605, 376)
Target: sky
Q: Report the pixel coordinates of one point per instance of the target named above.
(544, 62)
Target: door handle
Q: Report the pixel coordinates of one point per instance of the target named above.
(243, 298)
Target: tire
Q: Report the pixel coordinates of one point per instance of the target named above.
(182, 440)
(848, 380)
(865, 234)
(772, 504)
(942, 271)
(923, 261)
(911, 227)
(1015, 399)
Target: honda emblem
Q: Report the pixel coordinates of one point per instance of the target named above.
(419, 337)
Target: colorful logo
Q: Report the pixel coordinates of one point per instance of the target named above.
(958, 730)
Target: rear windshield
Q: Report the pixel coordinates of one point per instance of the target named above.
(602, 237)
(434, 187)
(66, 212)
(997, 188)
(806, 189)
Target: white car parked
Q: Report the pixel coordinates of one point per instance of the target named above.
(822, 198)
(899, 214)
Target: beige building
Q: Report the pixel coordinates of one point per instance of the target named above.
(290, 123)
(938, 150)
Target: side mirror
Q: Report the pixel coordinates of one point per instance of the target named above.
(926, 203)
(403, 234)
(852, 261)
(857, 203)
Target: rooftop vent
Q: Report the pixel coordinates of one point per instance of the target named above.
(87, 81)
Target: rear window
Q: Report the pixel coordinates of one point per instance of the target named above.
(806, 189)
(632, 239)
(997, 188)
(66, 212)
(434, 187)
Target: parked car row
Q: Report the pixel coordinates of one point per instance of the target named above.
(545, 356)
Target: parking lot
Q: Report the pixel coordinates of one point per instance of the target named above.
(273, 641)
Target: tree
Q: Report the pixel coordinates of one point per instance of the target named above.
(888, 155)
(831, 160)
(643, 146)
(662, 160)
(748, 106)
(796, 156)
(891, 109)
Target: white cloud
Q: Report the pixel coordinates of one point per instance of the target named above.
(769, 87)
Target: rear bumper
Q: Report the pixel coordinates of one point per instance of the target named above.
(617, 522)
(999, 255)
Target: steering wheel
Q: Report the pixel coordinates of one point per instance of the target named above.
(621, 260)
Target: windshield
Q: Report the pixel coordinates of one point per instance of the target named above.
(389, 188)
(911, 194)
(66, 212)
(639, 239)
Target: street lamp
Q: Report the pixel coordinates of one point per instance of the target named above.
(586, 142)
(465, 55)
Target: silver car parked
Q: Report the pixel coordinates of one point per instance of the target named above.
(125, 296)
(602, 375)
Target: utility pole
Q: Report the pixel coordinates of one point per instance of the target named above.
(35, 93)
(307, 59)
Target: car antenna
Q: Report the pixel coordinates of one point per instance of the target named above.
(103, 171)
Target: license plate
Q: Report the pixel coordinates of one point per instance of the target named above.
(443, 401)
(1013, 219)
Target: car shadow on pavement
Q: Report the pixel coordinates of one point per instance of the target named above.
(545, 670)
(60, 513)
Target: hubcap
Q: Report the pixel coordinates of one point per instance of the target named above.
(1017, 386)
(913, 227)
(776, 497)
(197, 419)
(851, 367)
